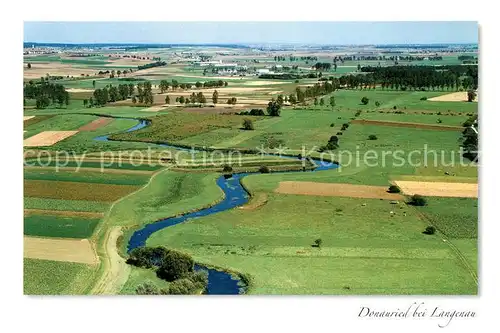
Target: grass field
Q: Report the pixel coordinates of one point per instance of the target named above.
(44, 277)
(273, 245)
(59, 226)
(139, 276)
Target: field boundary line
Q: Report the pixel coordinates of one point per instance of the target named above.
(457, 252)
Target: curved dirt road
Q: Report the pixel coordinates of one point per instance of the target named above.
(116, 271)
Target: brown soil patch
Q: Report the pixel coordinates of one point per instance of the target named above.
(209, 110)
(438, 189)
(73, 250)
(95, 124)
(460, 96)
(78, 90)
(28, 212)
(39, 69)
(336, 190)
(259, 200)
(76, 190)
(261, 83)
(155, 108)
(47, 138)
(27, 117)
(105, 170)
(408, 125)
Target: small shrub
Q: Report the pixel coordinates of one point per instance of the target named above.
(332, 125)
(339, 133)
(227, 168)
(364, 100)
(248, 125)
(264, 169)
(423, 98)
(377, 103)
(372, 137)
(418, 200)
(318, 242)
(394, 189)
(395, 107)
(439, 121)
(430, 230)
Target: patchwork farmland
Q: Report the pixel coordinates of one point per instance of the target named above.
(291, 171)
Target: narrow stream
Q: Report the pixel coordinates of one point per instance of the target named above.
(219, 282)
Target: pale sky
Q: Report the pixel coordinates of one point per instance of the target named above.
(335, 33)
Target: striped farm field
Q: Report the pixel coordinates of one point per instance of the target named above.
(64, 213)
(46, 277)
(96, 165)
(87, 177)
(65, 205)
(59, 226)
(76, 190)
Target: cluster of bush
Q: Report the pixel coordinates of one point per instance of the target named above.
(332, 144)
(253, 112)
(172, 266)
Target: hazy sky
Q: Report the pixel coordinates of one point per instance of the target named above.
(252, 32)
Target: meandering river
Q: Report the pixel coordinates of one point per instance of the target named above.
(219, 282)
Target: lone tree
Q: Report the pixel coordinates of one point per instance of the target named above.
(318, 242)
(264, 169)
(248, 124)
(322, 102)
(471, 95)
(430, 230)
(167, 99)
(273, 109)
(418, 200)
(215, 97)
(332, 101)
(365, 100)
(29, 65)
(394, 189)
(372, 137)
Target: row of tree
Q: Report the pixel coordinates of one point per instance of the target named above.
(413, 77)
(46, 93)
(165, 84)
(151, 65)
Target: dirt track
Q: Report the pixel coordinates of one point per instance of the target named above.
(72, 250)
(439, 189)
(407, 125)
(336, 190)
(116, 271)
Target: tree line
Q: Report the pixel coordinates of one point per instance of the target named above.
(165, 84)
(46, 93)
(151, 65)
(415, 77)
(111, 93)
